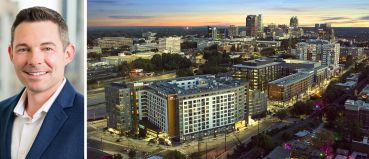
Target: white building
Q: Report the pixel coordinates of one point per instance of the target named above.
(190, 106)
(170, 44)
(110, 42)
(301, 50)
(331, 54)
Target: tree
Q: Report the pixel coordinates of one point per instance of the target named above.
(124, 68)
(174, 154)
(94, 55)
(117, 156)
(266, 142)
(184, 72)
(302, 108)
(144, 64)
(287, 56)
(267, 52)
(287, 136)
(331, 93)
(349, 61)
(282, 114)
(355, 130)
(157, 61)
(323, 141)
(131, 153)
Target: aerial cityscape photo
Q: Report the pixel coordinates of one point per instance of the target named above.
(235, 79)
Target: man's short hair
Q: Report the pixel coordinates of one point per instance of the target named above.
(38, 14)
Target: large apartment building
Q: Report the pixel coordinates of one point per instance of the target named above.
(319, 50)
(290, 87)
(110, 42)
(118, 107)
(357, 111)
(197, 105)
(183, 107)
(258, 72)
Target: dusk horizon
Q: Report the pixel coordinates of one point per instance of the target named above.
(219, 13)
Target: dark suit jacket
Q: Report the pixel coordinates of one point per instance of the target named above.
(61, 135)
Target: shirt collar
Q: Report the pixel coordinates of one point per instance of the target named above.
(19, 109)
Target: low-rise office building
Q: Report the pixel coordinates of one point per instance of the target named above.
(357, 111)
(257, 102)
(258, 72)
(291, 88)
(111, 42)
(118, 107)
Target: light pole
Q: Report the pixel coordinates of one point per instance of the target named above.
(225, 139)
(101, 140)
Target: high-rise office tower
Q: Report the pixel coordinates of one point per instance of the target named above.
(259, 24)
(251, 25)
(254, 25)
(294, 22)
(210, 32)
(325, 31)
(233, 31)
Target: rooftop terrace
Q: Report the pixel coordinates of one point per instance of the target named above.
(194, 84)
(291, 79)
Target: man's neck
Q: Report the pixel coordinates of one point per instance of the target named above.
(35, 100)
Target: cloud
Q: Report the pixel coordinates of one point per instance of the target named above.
(364, 18)
(214, 22)
(334, 18)
(103, 1)
(110, 2)
(130, 17)
(288, 9)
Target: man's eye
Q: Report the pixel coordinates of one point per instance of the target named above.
(48, 49)
(22, 50)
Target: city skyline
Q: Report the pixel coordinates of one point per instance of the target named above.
(223, 13)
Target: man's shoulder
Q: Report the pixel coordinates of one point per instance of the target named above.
(69, 97)
(7, 103)
(79, 99)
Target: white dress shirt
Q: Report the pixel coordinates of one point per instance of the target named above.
(25, 128)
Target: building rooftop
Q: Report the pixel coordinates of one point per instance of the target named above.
(356, 105)
(133, 56)
(290, 79)
(278, 152)
(194, 84)
(353, 77)
(365, 90)
(349, 84)
(118, 85)
(258, 63)
(296, 61)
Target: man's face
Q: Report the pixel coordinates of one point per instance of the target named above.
(38, 55)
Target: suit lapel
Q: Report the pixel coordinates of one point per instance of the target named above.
(53, 121)
(9, 126)
(9, 130)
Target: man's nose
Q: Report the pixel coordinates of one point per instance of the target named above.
(36, 57)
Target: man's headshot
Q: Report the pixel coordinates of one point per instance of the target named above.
(46, 118)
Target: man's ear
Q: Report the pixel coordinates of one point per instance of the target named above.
(10, 52)
(70, 51)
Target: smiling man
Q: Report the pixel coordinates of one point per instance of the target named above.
(45, 120)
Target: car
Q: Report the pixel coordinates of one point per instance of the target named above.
(107, 157)
(153, 140)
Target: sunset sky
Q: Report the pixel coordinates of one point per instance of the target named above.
(340, 13)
